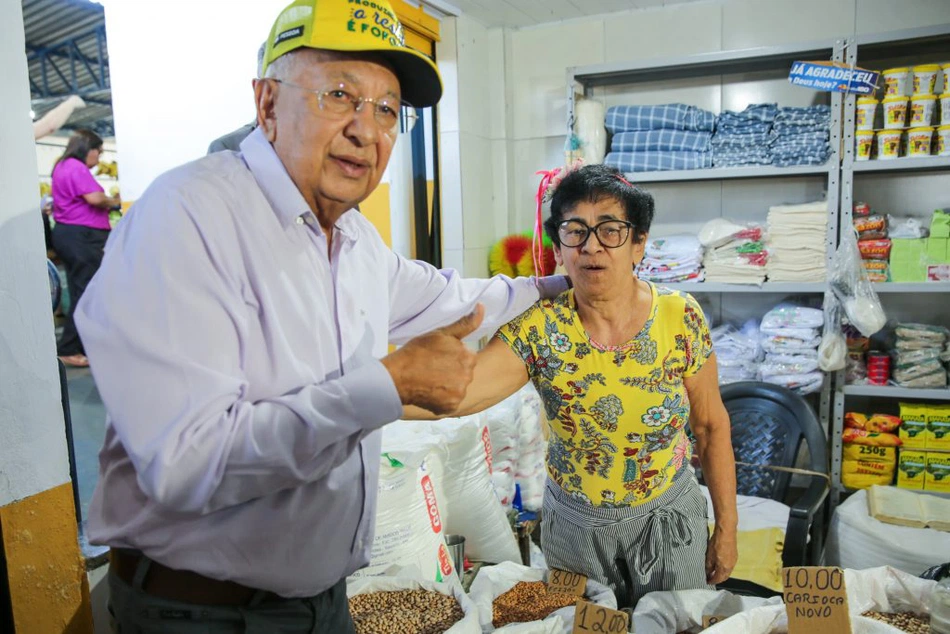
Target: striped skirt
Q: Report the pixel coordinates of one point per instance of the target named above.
(657, 545)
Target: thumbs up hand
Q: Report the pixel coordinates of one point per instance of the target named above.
(433, 371)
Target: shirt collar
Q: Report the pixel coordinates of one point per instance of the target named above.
(278, 188)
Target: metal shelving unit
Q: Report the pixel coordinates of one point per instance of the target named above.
(894, 391)
(726, 173)
(882, 46)
(904, 164)
(912, 287)
(791, 288)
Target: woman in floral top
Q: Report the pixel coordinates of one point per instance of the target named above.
(621, 366)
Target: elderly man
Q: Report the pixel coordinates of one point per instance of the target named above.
(238, 332)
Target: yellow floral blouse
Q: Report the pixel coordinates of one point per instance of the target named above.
(617, 418)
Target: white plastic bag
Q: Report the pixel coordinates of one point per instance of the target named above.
(673, 612)
(849, 282)
(881, 589)
(493, 581)
(409, 526)
(468, 624)
(834, 348)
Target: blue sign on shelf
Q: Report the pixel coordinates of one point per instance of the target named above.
(833, 77)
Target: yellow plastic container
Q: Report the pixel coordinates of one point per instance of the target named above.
(943, 140)
(895, 112)
(865, 110)
(895, 81)
(925, 78)
(945, 108)
(919, 141)
(912, 469)
(864, 139)
(938, 472)
(889, 144)
(922, 110)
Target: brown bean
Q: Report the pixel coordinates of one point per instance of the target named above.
(404, 612)
(904, 621)
(528, 601)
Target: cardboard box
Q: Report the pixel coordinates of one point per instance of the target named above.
(912, 469)
(938, 472)
(913, 431)
(938, 427)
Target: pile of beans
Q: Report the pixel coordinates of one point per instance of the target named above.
(904, 621)
(528, 601)
(404, 612)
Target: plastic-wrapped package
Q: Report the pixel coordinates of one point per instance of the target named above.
(871, 227)
(791, 316)
(875, 249)
(877, 270)
(907, 228)
(720, 231)
(833, 350)
(732, 343)
(850, 284)
(855, 368)
(935, 379)
(922, 332)
(790, 345)
(807, 334)
(808, 383)
(904, 359)
(789, 365)
(925, 375)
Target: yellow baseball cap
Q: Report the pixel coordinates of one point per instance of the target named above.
(356, 26)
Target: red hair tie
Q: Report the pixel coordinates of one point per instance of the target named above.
(624, 181)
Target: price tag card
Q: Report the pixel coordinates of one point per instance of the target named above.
(712, 619)
(816, 600)
(567, 582)
(590, 618)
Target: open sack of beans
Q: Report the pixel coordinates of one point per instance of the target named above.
(397, 605)
(877, 598)
(513, 599)
(684, 610)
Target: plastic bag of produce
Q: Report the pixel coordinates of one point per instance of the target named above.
(882, 589)
(673, 612)
(494, 581)
(849, 282)
(371, 619)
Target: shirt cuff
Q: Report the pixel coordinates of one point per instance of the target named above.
(373, 395)
(551, 286)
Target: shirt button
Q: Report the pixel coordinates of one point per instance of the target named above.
(299, 220)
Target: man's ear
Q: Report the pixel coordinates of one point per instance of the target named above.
(265, 100)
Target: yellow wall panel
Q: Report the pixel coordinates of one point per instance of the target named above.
(376, 210)
(45, 567)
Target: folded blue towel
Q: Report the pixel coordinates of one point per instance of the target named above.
(812, 115)
(643, 140)
(738, 141)
(790, 129)
(673, 116)
(658, 160)
(756, 113)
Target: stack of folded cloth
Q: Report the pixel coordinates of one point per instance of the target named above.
(742, 138)
(735, 254)
(654, 138)
(790, 338)
(675, 258)
(738, 352)
(797, 237)
(800, 136)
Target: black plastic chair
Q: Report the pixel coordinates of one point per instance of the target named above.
(770, 424)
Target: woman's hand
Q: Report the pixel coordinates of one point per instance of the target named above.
(721, 555)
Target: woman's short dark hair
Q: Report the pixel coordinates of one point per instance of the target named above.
(79, 145)
(593, 183)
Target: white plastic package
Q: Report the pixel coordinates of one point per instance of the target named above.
(673, 612)
(833, 351)
(791, 316)
(849, 282)
(493, 581)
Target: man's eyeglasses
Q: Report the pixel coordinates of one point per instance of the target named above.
(610, 233)
(339, 103)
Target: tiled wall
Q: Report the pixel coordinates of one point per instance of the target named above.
(506, 131)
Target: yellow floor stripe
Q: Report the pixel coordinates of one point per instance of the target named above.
(48, 585)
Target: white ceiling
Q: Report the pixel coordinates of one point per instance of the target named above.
(521, 13)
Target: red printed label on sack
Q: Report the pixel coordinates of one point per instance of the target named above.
(431, 506)
(445, 562)
(486, 441)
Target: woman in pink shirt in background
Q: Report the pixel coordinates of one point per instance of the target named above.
(81, 211)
